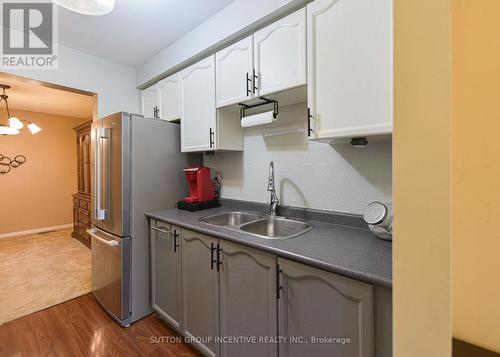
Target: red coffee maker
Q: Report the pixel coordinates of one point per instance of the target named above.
(202, 189)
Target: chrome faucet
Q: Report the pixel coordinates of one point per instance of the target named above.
(273, 205)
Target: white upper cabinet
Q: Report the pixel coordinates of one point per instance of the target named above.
(169, 98)
(349, 68)
(198, 112)
(203, 127)
(234, 67)
(280, 54)
(150, 102)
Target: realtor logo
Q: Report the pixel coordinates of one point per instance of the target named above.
(29, 34)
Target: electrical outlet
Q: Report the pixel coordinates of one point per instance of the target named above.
(218, 183)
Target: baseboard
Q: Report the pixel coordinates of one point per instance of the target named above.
(36, 230)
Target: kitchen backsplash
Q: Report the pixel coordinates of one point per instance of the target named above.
(309, 174)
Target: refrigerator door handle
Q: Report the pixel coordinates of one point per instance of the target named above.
(111, 243)
(97, 176)
(102, 186)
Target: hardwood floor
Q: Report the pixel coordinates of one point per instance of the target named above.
(80, 327)
(464, 349)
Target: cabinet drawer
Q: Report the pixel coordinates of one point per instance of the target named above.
(76, 202)
(83, 212)
(84, 204)
(82, 228)
(84, 219)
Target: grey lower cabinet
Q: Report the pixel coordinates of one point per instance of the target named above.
(200, 291)
(166, 272)
(213, 290)
(248, 306)
(319, 310)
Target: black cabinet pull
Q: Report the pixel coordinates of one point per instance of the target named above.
(309, 116)
(278, 285)
(219, 263)
(156, 112)
(176, 244)
(212, 260)
(248, 81)
(254, 85)
(211, 138)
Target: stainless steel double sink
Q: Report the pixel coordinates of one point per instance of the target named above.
(259, 225)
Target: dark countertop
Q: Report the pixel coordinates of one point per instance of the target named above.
(342, 249)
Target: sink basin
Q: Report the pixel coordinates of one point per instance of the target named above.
(276, 228)
(262, 226)
(230, 218)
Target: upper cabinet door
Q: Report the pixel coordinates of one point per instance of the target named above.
(234, 66)
(169, 98)
(150, 102)
(349, 67)
(280, 54)
(198, 112)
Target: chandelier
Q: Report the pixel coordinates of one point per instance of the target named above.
(14, 124)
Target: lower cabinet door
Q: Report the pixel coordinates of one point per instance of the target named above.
(323, 314)
(200, 291)
(248, 305)
(166, 273)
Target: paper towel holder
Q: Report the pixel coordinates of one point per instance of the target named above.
(265, 101)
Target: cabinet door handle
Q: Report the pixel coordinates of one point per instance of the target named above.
(254, 82)
(212, 260)
(211, 138)
(278, 284)
(309, 116)
(248, 81)
(219, 262)
(176, 244)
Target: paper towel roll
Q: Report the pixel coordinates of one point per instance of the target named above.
(257, 119)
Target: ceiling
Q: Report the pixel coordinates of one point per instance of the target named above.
(136, 29)
(26, 95)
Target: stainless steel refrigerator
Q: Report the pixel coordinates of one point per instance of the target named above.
(137, 167)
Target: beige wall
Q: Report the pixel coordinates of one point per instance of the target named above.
(38, 193)
(421, 147)
(476, 172)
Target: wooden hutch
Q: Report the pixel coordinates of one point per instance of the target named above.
(81, 200)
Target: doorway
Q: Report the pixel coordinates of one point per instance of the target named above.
(45, 164)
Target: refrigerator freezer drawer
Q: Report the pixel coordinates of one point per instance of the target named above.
(111, 273)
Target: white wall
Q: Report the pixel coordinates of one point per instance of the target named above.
(309, 174)
(239, 17)
(114, 83)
